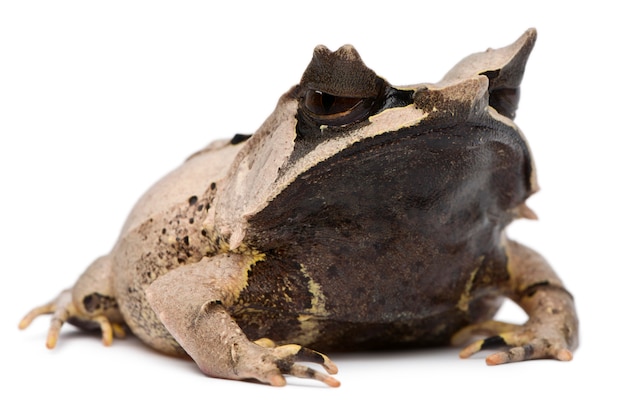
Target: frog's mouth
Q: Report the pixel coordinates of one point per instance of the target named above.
(401, 179)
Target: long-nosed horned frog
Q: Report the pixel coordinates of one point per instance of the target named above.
(359, 215)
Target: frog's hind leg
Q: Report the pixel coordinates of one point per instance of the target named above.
(552, 327)
(89, 304)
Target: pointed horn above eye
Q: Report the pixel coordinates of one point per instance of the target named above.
(341, 73)
(504, 67)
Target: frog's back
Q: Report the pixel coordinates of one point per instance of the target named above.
(165, 230)
(192, 178)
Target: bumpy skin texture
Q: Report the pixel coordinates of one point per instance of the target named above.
(360, 215)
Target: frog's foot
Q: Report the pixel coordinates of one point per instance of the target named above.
(525, 342)
(63, 310)
(267, 362)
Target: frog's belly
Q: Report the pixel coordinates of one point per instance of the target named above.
(331, 334)
(376, 282)
(358, 301)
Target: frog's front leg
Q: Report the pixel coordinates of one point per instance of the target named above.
(552, 327)
(89, 304)
(191, 303)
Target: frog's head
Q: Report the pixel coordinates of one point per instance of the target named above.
(343, 108)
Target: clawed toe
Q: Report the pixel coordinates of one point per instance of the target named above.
(286, 360)
(296, 353)
(537, 349)
(298, 370)
(289, 357)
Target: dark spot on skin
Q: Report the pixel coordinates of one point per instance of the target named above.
(193, 200)
(163, 231)
(284, 366)
(311, 356)
(204, 233)
(186, 240)
(181, 260)
(238, 138)
(358, 292)
(200, 207)
(95, 302)
(191, 220)
(89, 303)
(493, 342)
(213, 185)
(528, 351)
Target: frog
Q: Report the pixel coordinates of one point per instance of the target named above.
(359, 216)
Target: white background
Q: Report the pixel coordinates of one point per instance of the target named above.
(100, 99)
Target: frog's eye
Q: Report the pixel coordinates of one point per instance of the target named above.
(336, 110)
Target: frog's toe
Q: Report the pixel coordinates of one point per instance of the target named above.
(34, 313)
(63, 310)
(487, 328)
(297, 353)
(60, 308)
(269, 363)
(492, 342)
(288, 359)
(523, 341)
(537, 349)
